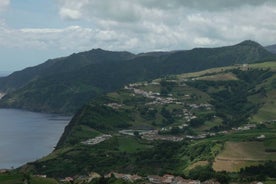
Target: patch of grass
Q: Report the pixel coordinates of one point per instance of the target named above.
(82, 133)
(268, 110)
(271, 65)
(270, 181)
(204, 72)
(198, 163)
(152, 88)
(55, 154)
(219, 77)
(8, 178)
(270, 144)
(130, 144)
(210, 124)
(39, 180)
(232, 165)
(19, 178)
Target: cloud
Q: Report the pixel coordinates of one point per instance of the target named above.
(145, 25)
(67, 13)
(125, 10)
(177, 24)
(4, 4)
(210, 5)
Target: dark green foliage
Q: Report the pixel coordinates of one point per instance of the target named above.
(166, 87)
(147, 113)
(163, 157)
(167, 115)
(99, 117)
(202, 173)
(230, 98)
(103, 118)
(111, 180)
(253, 76)
(259, 172)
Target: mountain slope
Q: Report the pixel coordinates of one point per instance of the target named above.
(169, 125)
(271, 48)
(60, 65)
(64, 85)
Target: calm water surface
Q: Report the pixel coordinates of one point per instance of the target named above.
(26, 136)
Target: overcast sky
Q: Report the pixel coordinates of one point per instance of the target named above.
(32, 31)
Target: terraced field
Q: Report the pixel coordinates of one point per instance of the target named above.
(240, 154)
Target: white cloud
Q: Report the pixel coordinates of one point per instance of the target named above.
(144, 25)
(67, 13)
(177, 24)
(4, 4)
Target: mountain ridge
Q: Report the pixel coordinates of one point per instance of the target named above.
(74, 79)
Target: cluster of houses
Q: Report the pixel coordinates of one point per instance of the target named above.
(153, 135)
(188, 115)
(164, 129)
(114, 105)
(97, 140)
(126, 177)
(131, 178)
(151, 95)
(155, 179)
(159, 100)
(201, 136)
(245, 127)
(170, 179)
(202, 105)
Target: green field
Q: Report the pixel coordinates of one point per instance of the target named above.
(19, 178)
(130, 144)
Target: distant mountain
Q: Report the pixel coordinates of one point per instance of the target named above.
(4, 73)
(271, 48)
(63, 85)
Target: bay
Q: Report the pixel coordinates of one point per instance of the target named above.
(27, 136)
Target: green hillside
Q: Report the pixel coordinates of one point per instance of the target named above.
(180, 124)
(63, 85)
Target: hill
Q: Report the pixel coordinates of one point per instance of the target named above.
(179, 124)
(63, 85)
(271, 48)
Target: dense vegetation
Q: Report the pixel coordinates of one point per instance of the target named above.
(63, 85)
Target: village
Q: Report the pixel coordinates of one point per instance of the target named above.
(131, 178)
(97, 139)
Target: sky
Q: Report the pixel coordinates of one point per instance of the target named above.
(32, 31)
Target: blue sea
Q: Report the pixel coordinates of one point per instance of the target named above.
(27, 136)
